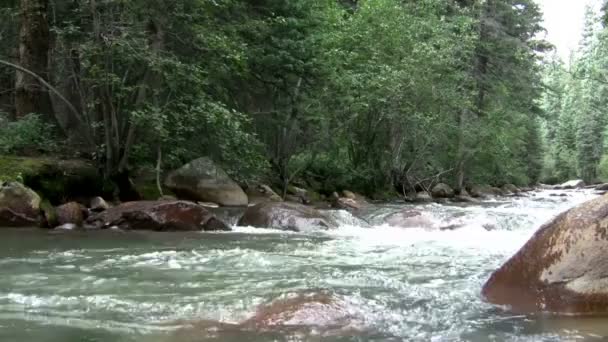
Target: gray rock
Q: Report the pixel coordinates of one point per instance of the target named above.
(202, 180)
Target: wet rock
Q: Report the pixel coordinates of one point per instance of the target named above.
(410, 218)
(157, 216)
(312, 309)
(286, 216)
(561, 269)
(300, 316)
(19, 206)
(485, 191)
(511, 189)
(262, 193)
(602, 187)
(72, 212)
(98, 204)
(442, 190)
(202, 180)
(167, 198)
(573, 184)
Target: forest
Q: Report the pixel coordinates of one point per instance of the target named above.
(383, 97)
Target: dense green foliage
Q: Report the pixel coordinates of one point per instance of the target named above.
(371, 95)
(576, 107)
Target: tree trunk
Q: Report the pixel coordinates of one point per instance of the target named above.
(34, 44)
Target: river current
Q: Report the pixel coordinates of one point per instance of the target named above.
(404, 284)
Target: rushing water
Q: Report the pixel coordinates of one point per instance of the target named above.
(404, 284)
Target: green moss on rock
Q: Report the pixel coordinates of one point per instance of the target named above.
(55, 180)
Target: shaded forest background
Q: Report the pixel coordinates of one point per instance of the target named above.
(377, 96)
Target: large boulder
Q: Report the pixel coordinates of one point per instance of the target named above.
(442, 190)
(573, 184)
(262, 193)
(202, 180)
(157, 216)
(561, 269)
(71, 212)
(286, 216)
(19, 206)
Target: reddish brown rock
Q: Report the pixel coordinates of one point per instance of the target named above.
(71, 212)
(562, 269)
(158, 216)
(286, 216)
(321, 309)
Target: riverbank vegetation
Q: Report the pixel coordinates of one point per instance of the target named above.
(381, 96)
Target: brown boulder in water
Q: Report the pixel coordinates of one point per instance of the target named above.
(71, 212)
(286, 216)
(562, 269)
(301, 316)
(320, 309)
(158, 216)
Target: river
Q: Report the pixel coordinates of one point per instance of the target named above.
(404, 284)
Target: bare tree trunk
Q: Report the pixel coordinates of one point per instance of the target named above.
(34, 44)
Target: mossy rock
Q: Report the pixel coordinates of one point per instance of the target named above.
(55, 180)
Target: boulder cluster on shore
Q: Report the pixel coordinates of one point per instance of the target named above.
(201, 185)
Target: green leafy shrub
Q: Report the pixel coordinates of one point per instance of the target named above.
(29, 135)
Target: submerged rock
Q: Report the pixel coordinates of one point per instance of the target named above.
(19, 206)
(313, 309)
(561, 269)
(157, 216)
(410, 218)
(299, 316)
(286, 216)
(202, 180)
